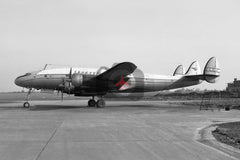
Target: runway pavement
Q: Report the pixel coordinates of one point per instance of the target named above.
(139, 130)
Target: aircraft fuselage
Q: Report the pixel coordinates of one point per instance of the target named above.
(53, 79)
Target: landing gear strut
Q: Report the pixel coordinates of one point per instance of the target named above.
(27, 104)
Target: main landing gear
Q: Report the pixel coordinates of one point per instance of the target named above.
(99, 103)
(27, 104)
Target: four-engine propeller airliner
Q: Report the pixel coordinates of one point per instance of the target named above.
(120, 78)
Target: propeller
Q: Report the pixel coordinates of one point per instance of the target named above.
(62, 89)
(70, 81)
(62, 95)
(67, 80)
(70, 73)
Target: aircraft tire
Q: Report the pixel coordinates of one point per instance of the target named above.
(91, 103)
(26, 105)
(101, 103)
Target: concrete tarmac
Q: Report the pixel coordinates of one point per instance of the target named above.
(140, 130)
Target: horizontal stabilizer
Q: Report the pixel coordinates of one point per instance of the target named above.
(180, 70)
(210, 74)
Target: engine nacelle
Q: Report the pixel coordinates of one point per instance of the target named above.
(77, 80)
(102, 69)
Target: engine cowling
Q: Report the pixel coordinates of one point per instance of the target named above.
(77, 80)
(102, 69)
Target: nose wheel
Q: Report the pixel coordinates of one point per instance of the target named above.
(26, 105)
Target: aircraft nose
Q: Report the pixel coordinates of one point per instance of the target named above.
(18, 81)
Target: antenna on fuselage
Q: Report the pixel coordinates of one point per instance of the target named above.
(45, 66)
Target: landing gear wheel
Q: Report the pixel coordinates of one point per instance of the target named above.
(101, 103)
(26, 105)
(91, 103)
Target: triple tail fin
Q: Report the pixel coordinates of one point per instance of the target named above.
(180, 70)
(212, 70)
(210, 74)
(194, 76)
(194, 69)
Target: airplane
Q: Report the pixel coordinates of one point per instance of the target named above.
(121, 78)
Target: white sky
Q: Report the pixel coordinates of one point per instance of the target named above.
(156, 35)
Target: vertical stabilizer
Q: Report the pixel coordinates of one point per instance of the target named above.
(212, 70)
(194, 69)
(180, 70)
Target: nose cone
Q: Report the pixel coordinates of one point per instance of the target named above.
(25, 80)
(18, 82)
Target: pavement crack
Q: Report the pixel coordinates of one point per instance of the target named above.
(44, 147)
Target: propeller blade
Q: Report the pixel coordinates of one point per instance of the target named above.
(70, 80)
(62, 96)
(69, 88)
(70, 73)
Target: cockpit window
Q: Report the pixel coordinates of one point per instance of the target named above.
(27, 74)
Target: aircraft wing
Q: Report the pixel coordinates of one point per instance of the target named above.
(121, 69)
(107, 80)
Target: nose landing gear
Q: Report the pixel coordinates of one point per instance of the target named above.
(27, 104)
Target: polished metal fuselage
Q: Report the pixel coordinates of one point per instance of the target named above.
(145, 83)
